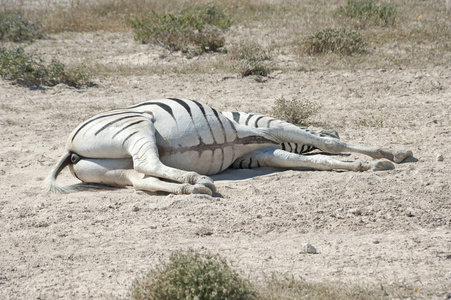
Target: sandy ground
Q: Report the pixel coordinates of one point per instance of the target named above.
(390, 228)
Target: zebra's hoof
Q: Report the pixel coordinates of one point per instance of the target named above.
(383, 165)
(208, 183)
(201, 189)
(401, 155)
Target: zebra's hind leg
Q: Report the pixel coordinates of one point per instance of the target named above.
(120, 172)
(142, 147)
(277, 158)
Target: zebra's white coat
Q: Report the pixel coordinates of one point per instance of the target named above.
(147, 144)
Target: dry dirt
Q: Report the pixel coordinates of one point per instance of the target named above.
(390, 228)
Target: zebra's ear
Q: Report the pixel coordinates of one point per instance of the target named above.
(329, 133)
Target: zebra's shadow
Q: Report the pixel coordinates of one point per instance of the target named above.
(241, 174)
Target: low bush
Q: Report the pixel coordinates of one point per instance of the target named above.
(252, 57)
(294, 111)
(197, 29)
(192, 275)
(339, 41)
(15, 27)
(254, 67)
(30, 70)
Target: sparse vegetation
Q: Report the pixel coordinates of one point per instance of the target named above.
(369, 12)
(192, 275)
(195, 275)
(252, 57)
(15, 27)
(199, 26)
(30, 70)
(294, 111)
(339, 41)
(369, 122)
(248, 50)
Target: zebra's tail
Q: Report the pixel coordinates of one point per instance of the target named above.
(51, 185)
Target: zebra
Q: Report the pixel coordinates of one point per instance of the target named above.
(172, 145)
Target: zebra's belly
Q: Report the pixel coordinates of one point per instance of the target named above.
(203, 161)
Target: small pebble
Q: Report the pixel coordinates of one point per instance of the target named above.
(308, 248)
(135, 208)
(439, 157)
(355, 211)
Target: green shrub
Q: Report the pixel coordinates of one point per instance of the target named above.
(198, 27)
(294, 111)
(339, 41)
(370, 11)
(192, 275)
(15, 27)
(29, 70)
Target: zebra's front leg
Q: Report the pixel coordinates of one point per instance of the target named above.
(277, 158)
(120, 172)
(338, 146)
(290, 133)
(142, 147)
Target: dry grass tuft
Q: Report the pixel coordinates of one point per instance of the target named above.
(369, 12)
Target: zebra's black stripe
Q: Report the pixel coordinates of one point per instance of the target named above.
(113, 122)
(129, 136)
(233, 127)
(167, 108)
(269, 122)
(224, 133)
(248, 119)
(137, 142)
(253, 139)
(283, 146)
(241, 164)
(256, 121)
(128, 126)
(98, 118)
(202, 109)
(220, 122)
(184, 104)
(139, 150)
(250, 163)
(236, 116)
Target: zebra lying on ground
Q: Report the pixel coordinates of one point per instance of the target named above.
(165, 145)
